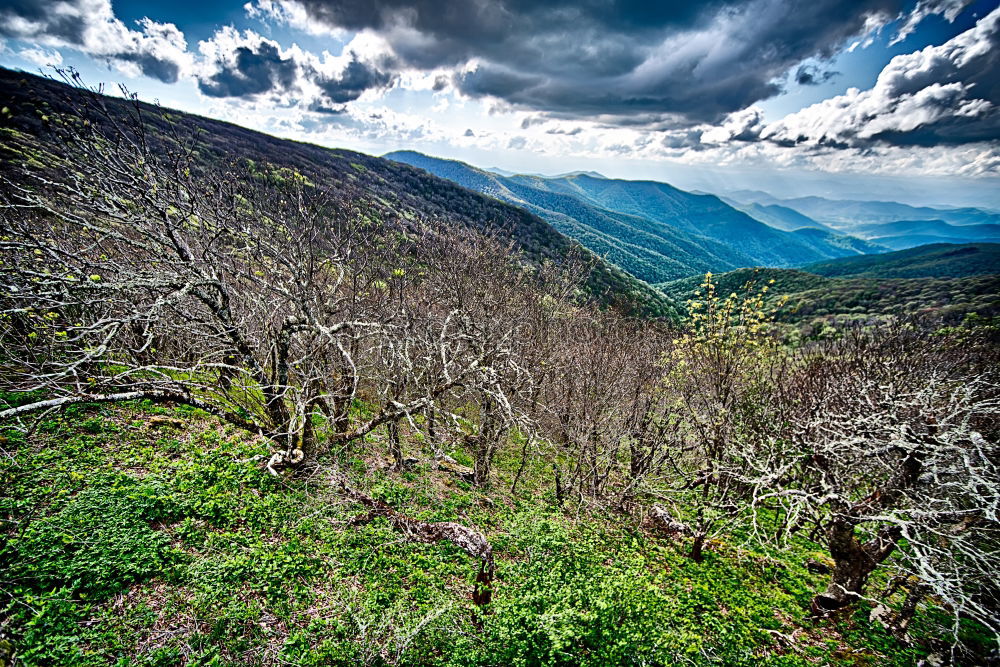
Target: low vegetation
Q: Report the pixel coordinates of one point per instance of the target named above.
(150, 535)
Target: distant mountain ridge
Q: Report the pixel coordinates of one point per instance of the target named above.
(851, 211)
(813, 299)
(890, 224)
(779, 217)
(653, 230)
(945, 280)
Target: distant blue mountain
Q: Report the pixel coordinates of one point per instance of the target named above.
(848, 215)
(653, 230)
(782, 217)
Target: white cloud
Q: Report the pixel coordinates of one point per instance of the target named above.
(914, 92)
(247, 64)
(291, 14)
(950, 9)
(41, 57)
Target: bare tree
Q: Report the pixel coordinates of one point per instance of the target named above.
(898, 433)
(134, 269)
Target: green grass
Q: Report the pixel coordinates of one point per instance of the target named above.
(128, 544)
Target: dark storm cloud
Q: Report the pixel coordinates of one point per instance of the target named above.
(249, 65)
(326, 109)
(356, 78)
(496, 82)
(90, 26)
(165, 70)
(810, 75)
(440, 83)
(254, 70)
(696, 60)
(64, 26)
(682, 140)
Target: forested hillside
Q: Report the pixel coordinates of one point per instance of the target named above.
(654, 231)
(812, 300)
(268, 404)
(940, 260)
(383, 187)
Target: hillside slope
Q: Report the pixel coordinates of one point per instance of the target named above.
(176, 548)
(942, 260)
(389, 188)
(653, 230)
(782, 217)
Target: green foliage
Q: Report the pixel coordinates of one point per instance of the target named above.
(117, 531)
(736, 321)
(938, 260)
(99, 542)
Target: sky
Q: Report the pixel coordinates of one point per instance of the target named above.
(874, 99)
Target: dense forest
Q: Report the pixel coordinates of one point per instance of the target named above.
(260, 410)
(937, 260)
(812, 303)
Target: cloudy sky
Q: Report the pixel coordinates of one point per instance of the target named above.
(874, 98)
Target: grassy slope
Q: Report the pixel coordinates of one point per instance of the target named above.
(128, 543)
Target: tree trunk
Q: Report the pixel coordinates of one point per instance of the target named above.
(483, 460)
(696, 547)
(469, 540)
(395, 448)
(854, 561)
(431, 414)
(492, 431)
(914, 596)
(559, 489)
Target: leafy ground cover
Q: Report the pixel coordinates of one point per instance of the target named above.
(150, 535)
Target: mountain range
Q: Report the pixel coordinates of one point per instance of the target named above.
(890, 224)
(653, 230)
